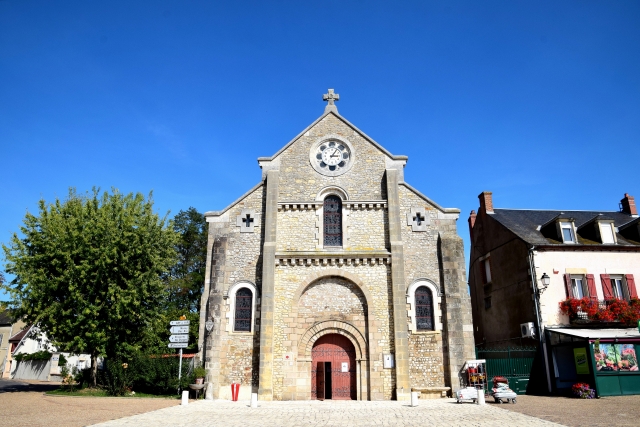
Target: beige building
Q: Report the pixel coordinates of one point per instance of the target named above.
(8, 328)
(333, 278)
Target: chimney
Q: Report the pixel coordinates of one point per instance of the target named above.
(486, 202)
(472, 222)
(628, 205)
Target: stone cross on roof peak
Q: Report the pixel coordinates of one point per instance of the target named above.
(331, 97)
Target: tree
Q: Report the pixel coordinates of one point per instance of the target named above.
(88, 271)
(184, 282)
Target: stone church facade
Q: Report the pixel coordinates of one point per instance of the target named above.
(333, 278)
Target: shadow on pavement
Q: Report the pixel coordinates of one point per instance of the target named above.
(12, 386)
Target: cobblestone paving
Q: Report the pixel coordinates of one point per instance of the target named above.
(442, 412)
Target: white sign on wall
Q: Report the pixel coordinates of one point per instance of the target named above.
(345, 366)
(387, 361)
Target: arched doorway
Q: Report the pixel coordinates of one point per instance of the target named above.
(333, 368)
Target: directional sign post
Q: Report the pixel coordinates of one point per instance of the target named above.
(179, 329)
(179, 338)
(180, 322)
(179, 345)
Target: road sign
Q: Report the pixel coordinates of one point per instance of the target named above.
(178, 345)
(179, 338)
(179, 322)
(179, 329)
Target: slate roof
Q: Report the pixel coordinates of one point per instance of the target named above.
(17, 337)
(524, 223)
(5, 318)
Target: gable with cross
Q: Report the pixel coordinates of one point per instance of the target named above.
(418, 219)
(247, 220)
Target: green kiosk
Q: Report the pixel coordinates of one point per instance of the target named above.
(606, 359)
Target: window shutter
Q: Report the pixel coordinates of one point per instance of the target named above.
(607, 290)
(631, 285)
(591, 285)
(567, 285)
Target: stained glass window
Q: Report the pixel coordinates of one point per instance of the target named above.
(424, 309)
(244, 305)
(332, 221)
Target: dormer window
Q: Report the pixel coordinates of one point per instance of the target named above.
(606, 233)
(568, 236)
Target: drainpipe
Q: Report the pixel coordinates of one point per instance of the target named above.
(536, 299)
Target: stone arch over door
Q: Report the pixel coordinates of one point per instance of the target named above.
(318, 330)
(331, 272)
(330, 327)
(310, 323)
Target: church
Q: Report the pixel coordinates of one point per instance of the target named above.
(333, 278)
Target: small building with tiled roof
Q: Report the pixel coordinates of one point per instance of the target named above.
(8, 328)
(525, 262)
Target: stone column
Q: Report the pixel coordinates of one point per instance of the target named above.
(398, 286)
(212, 302)
(456, 308)
(267, 305)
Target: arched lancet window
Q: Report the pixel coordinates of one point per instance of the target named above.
(332, 221)
(424, 309)
(244, 306)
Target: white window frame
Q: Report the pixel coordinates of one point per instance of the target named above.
(607, 227)
(486, 264)
(623, 286)
(583, 286)
(437, 301)
(231, 308)
(567, 225)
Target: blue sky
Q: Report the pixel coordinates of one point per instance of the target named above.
(538, 102)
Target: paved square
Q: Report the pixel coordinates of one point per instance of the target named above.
(441, 412)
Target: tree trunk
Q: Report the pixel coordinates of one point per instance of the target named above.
(94, 369)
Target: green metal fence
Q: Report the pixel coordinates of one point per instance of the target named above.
(512, 362)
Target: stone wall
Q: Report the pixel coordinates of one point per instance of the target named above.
(420, 247)
(296, 230)
(426, 367)
(368, 230)
(232, 256)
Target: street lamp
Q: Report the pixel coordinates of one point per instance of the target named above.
(545, 279)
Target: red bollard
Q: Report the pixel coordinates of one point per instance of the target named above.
(235, 389)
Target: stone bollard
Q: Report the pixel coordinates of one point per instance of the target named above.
(480, 400)
(254, 400)
(185, 397)
(208, 395)
(414, 398)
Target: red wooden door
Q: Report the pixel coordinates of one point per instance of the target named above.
(333, 368)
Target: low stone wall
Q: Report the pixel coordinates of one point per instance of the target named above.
(32, 370)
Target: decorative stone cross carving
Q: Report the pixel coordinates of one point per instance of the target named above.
(418, 219)
(247, 220)
(331, 97)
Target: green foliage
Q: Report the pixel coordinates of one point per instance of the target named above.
(185, 280)
(199, 372)
(183, 283)
(142, 373)
(39, 355)
(62, 361)
(88, 270)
